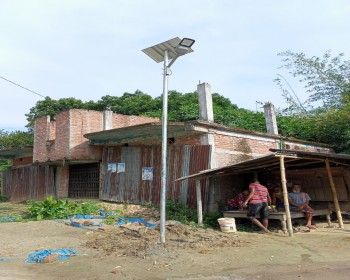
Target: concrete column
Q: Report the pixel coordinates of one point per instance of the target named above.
(206, 113)
(205, 102)
(208, 139)
(107, 119)
(270, 118)
(48, 128)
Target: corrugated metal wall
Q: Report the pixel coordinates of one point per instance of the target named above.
(128, 186)
(29, 182)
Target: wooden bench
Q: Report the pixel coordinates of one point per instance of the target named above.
(280, 215)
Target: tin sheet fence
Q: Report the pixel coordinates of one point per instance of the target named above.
(131, 185)
(28, 182)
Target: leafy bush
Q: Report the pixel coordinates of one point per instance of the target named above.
(3, 198)
(176, 210)
(59, 209)
(211, 219)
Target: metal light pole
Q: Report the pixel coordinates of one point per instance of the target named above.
(169, 50)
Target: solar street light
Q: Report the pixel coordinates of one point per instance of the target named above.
(166, 52)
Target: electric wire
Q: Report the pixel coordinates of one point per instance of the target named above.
(22, 87)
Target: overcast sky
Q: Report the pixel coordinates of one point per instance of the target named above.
(90, 48)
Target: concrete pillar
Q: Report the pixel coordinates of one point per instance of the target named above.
(107, 119)
(51, 130)
(206, 113)
(208, 139)
(270, 118)
(205, 102)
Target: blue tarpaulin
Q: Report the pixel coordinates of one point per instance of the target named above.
(38, 256)
(111, 213)
(134, 220)
(7, 219)
(87, 217)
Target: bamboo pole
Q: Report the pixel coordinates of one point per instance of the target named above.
(285, 196)
(199, 203)
(335, 196)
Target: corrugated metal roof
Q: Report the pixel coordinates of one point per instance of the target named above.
(16, 152)
(292, 160)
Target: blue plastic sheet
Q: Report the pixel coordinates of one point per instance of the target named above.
(7, 219)
(87, 217)
(38, 256)
(133, 220)
(104, 214)
(74, 224)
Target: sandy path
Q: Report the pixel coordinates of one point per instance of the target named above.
(320, 254)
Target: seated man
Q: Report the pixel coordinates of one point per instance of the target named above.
(236, 203)
(277, 197)
(299, 201)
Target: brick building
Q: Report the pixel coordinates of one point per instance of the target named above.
(90, 154)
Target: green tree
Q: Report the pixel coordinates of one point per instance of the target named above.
(137, 103)
(326, 80)
(229, 114)
(324, 116)
(15, 139)
(50, 107)
(181, 107)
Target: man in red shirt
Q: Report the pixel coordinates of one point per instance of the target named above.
(258, 201)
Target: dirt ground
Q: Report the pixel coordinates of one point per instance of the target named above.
(134, 252)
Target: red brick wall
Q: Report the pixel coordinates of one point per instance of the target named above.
(193, 140)
(124, 120)
(63, 138)
(40, 136)
(235, 147)
(58, 148)
(19, 162)
(82, 122)
(231, 149)
(63, 181)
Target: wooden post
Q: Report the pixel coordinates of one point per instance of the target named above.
(335, 196)
(285, 196)
(199, 203)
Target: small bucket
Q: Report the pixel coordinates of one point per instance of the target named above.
(227, 224)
